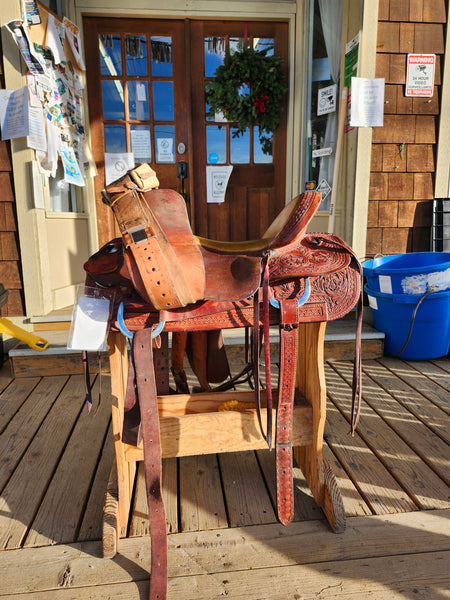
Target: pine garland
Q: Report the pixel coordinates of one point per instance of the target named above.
(248, 89)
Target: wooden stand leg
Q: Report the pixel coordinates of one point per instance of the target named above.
(311, 382)
(125, 471)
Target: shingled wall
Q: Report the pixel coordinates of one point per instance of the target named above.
(404, 149)
(10, 266)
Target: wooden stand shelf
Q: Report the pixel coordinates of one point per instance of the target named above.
(193, 424)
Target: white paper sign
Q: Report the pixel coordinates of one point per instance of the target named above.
(117, 165)
(322, 152)
(38, 190)
(324, 188)
(164, 150)
(367, 102)
(88, 330)
(140, 145)
(326, 100)
(420, 75)
(216, 183)
(53, 41)
(14, 113)
(36, 136)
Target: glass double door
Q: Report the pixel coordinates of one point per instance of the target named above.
(146, 92)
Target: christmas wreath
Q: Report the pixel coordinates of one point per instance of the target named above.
(248, 89)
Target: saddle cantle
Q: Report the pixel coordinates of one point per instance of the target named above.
(164, 273)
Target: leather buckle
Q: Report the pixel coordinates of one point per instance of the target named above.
(137, 235)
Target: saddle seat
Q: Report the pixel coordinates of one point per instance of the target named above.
(170, 267)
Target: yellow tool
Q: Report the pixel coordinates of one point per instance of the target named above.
(34, 341)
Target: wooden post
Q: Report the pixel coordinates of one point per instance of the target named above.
(310, 380)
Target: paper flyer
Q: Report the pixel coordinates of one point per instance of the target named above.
(53, 41)
(14, 113)
(36, 138)
(72, 173)
(73, 36)
(117, 165)
(367, 106)
(18, 31)
(216, 183)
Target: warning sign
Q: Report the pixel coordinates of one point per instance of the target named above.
(420, 75)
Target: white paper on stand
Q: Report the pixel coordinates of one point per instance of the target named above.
(89, 324)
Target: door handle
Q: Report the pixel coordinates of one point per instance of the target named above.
(182, 173)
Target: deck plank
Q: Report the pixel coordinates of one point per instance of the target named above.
(5, 375)
(431, 449)
(12, 398)
(201, 500)
(245, 490)
(401, 382)
(375, 483)
(425, 377)
(22, 427)
(305, 507)
(420, 482)
(21, 498)
(354, 503)
(61, 511)
(91, 526)
(355, 557)
(139, 517)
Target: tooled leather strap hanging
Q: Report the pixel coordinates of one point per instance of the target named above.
(147, 397)
(286, 392)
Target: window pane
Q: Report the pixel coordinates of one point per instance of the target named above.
(264, 44)
(136, 55)
(62, 194)
(236, 44)
(163, 101)
(113, 107)
(165, 143)
(138, 100)
(110, 55)
(216, 145)
(141, 143)
(258, 155)
(240, 147)
(161, 56)
(214, 54)
(115, 140)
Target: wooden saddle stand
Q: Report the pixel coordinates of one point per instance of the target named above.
(164, 276)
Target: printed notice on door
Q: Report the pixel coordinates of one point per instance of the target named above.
(216, 183)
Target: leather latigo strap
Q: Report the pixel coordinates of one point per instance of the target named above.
(154, 266)
(286, 394)
(147, 397)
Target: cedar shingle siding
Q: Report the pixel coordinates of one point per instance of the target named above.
(404, 149)
(10, 267)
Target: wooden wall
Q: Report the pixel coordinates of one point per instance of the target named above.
(10, 267)
(404, 149)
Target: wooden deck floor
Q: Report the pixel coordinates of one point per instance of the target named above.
(394, 475)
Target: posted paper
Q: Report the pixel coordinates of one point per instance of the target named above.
(367, 105)
(216, 183)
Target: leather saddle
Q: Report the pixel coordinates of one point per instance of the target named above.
(163, 273)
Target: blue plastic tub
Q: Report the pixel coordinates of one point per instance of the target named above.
(430, 333)
(414, 273)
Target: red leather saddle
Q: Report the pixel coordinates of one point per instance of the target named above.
(163, 273)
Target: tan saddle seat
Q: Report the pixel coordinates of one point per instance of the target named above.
(171, 268)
